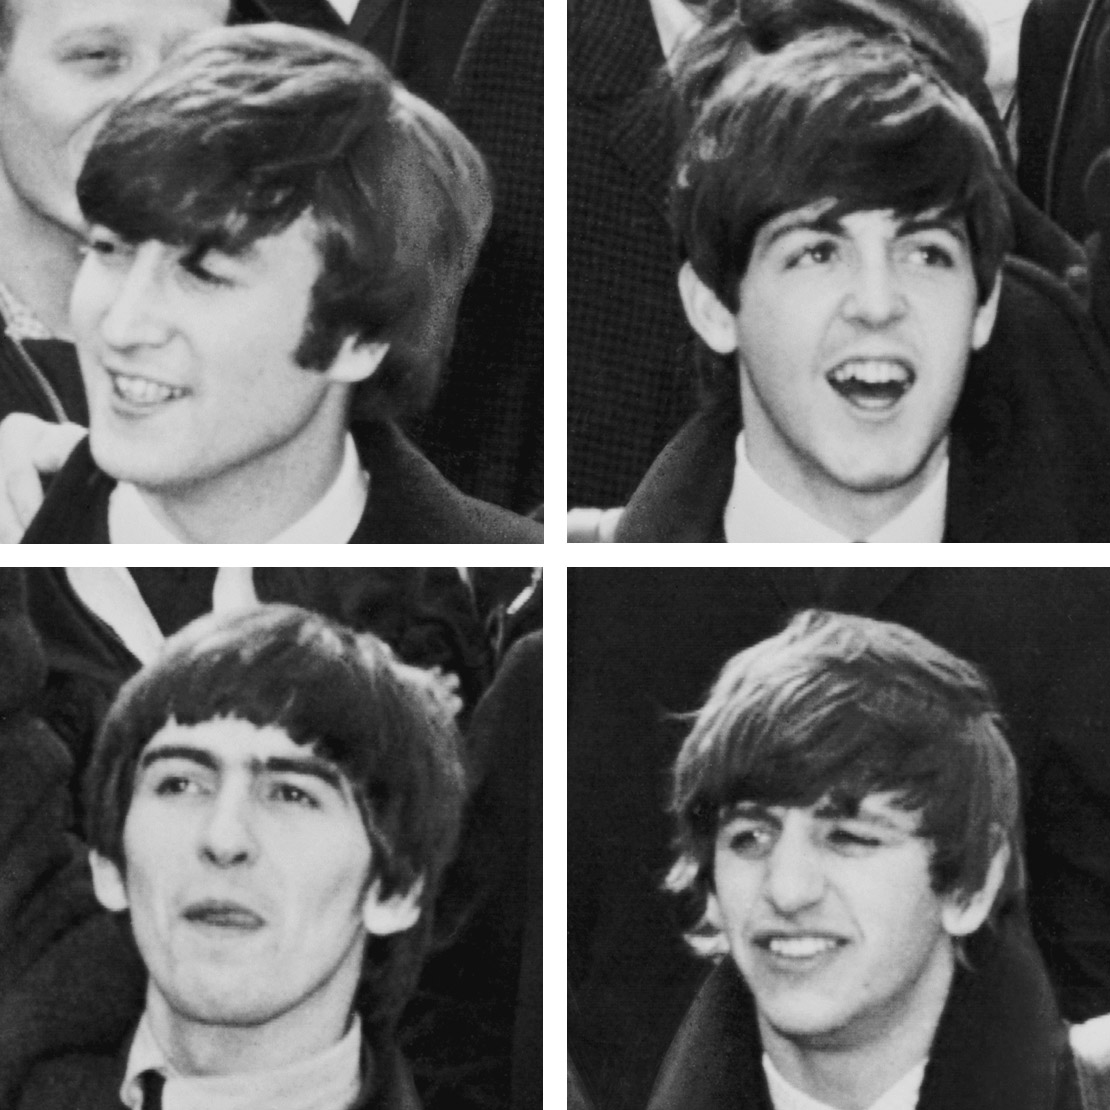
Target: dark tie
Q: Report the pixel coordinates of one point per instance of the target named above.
(152, 1083)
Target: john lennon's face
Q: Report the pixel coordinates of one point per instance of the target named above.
(69, 62)
(247, 867)
(831, 920)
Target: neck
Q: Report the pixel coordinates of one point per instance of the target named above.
(850, 1068)
(195, 1045)
(39, 261)
(256, 501)
(857, 514)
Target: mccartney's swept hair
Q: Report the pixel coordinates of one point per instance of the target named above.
(839, 707)
(862, 122)
(247, 128)
(388, 727)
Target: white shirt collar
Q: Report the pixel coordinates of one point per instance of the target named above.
(345, 9)
(756, 513)
(333, 519)
(785, 1096)
(675, 23)
(329, 1080)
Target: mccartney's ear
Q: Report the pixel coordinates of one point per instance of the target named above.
(356, 361)
(961, 914)
(111, 890)
(711, 319)
(986, 315)
(401, 911)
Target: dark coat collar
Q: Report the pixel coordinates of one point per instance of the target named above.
(997, 493)
(410, 501)
(1000, 1044)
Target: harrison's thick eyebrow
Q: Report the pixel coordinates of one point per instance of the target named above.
(313, 766)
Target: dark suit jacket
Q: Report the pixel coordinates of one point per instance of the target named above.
(485, 430)
(645, 645)
(628, 385)
(411, 502)
(1063, 114)
(420, 40)
(1029, 454)
(1000, 1044)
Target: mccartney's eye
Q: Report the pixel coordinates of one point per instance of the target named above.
(813, 254)
(933, 255)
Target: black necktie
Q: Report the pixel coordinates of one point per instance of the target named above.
(152, 1083)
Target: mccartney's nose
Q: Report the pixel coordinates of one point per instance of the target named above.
(875, 297)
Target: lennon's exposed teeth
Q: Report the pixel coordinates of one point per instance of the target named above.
(800, 948)
(142, 391)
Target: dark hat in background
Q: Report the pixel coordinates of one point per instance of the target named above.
(22, 664)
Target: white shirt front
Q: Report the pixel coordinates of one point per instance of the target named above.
(345, 9)
(756, 513)
(328, 1081)
(675, 23)
(333, 519)
(785, 1096)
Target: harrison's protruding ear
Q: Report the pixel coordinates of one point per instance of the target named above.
(111, 890)
(961, 913)
(985, 316)
(395, 914)
(356, 361)
(711, 319)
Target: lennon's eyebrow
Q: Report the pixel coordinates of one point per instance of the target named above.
(313, 766)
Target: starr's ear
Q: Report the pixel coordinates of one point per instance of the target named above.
(711, 319)
(985, 316)
(356, 361)
(961, 914)
(111, 890)
(395, 914)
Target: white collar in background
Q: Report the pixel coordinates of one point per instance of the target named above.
(675, 23)
(333, 519)
(785, 1096)
(328, 1081)
(756, 513)
(345, 8)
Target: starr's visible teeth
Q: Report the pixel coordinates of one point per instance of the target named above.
(800, 948)
(873, 371)
(142, 391)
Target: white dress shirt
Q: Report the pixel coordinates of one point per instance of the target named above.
(345, 9)
(333, 519)
(328, 1081)
(785, 1096)
(756, 513)
(675, 23)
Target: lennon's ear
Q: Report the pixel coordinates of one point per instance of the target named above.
(708, 316)
(395, 914)
(356, 361)
(961, 914)
(111, 890)
(985, 316)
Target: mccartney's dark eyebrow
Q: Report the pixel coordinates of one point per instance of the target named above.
(823, 224)
(313, 766)
(933, 222)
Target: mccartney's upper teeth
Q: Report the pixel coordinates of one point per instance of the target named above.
(799, 948)
(869, 370)
(142, 391)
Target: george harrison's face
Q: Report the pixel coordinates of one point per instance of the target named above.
(247, 880)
